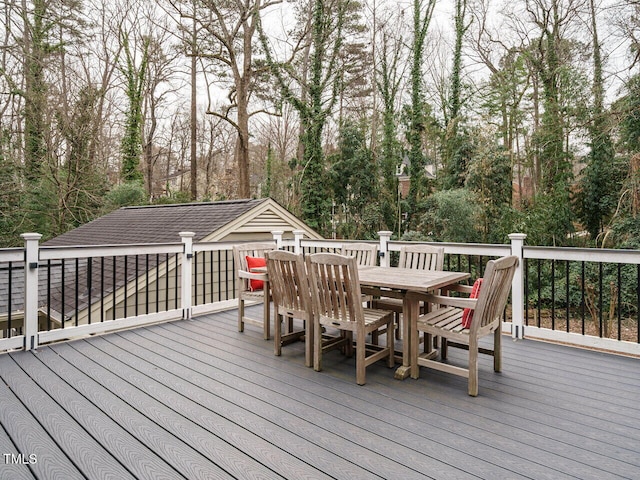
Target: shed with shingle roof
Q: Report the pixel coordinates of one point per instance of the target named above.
(210, 221)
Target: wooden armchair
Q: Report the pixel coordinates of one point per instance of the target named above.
(337, 304)
(447, 323)
(291, 297)
(418, 257)
(252, 286)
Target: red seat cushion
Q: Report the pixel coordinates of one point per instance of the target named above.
(255, 262)
(467, 313)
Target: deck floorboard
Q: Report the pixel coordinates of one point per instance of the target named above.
(198, 400)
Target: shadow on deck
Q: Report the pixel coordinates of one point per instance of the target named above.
(198, 400)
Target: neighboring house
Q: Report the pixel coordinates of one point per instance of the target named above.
(150, 282)
(404, 179)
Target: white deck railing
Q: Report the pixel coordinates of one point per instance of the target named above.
(188, 275)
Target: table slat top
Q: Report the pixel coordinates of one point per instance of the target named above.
(408, 279)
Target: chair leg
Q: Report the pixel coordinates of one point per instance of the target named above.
(473, 368)
(428, 343)
(443, 348)
(361, 353)
(317, 347)
(240, 315)
(277, 340)
(497, 350)
(266, 317)
(309, 343)
(390, 344)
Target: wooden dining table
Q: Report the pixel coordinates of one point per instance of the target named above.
(409, 285)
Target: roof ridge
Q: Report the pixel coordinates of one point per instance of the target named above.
(191, 204)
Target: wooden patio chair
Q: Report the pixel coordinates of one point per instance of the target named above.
(291, 298)
(449, 323)
(252, 286)
(337, 304)
(418, 257)
(364, 253)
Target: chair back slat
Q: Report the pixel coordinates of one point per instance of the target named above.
(335, 289)
(364, 253)
(288, 281)
(494, 293)
(421, 257)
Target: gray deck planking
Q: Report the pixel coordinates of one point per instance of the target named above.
(196, 399)
(572, 469)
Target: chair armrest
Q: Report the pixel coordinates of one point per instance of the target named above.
(451, 301)
(458, 288)
(253, 276)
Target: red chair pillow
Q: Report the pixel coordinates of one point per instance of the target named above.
(255, 262)
(467, 313)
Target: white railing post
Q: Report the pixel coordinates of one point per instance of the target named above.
(186, 281)
(517, 287)
(297, 239)
(32, 256)
(277, 236)
(385, 236)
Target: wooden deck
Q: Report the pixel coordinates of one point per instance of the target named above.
(198, 400)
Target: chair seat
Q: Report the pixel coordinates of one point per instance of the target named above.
(447, 319)
(373, 320)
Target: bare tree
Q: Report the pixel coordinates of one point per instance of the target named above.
(231, 27)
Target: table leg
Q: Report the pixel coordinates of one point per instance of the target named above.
(410, 307)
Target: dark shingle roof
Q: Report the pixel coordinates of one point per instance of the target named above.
(155, 224)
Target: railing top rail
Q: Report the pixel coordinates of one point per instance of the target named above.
(12, 254)
(84, 251)
(484, 249)
(213, 246)
(599, 255)
(323, 243)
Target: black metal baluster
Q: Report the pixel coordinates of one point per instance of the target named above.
(9, 306)
(582, 303)
(89, 287)
(135, 295)
(64, 298)
(195, 277)
(553, 294)
(233, 269)
(102, 289)
(166, 283)
(600, 302)
(115, 267)
(77, 288)
(526, 291)
(177, 282)
(48, 295)
(146, 284)
(226, 287)
(619, 301)
(126, 276)
(157, 282)
(211, 267)
(539, 293)
(567, 291)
